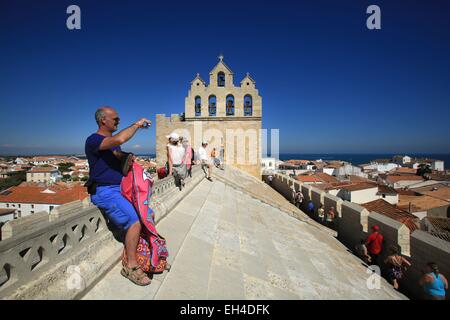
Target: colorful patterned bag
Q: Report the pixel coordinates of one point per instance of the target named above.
(152, 252)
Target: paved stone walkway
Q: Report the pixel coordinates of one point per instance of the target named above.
(225, 244)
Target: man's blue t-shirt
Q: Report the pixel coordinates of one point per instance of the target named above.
(104, 167)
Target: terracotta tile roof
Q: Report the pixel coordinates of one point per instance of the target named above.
(385, 208)
(34, 194)
(440, 227)
(354, 178)
(331, 186)
(333, 165)
(360, 186)
(305, 178)
(397, 178)
(43, 169)
(440, 191)
(386, 189)
(325, 177)
(420, 203)
(297, 162)
(4, 212)
(403, 170)
(438, 177)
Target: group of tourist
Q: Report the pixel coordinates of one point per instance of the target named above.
(369, 250)
(181, 157)
(326, 218)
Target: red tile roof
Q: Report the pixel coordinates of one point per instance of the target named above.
(305, 178)
(386, 189)
(360, 186)
(34, 194)
(397, 178)
(385, 208)
(420, 203)
(4, 212)
(441, 227)
(43, 169)
(403, 171)
(326, 177)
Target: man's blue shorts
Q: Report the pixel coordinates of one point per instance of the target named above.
(118, 209)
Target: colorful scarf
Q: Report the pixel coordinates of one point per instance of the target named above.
(152, 252)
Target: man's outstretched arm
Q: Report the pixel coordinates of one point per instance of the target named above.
(123, 136)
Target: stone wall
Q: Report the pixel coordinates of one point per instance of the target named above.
(355, 222)
(425, 248)
(352, 224)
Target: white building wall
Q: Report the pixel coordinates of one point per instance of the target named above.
(328, 171)
(363, 196)
(438, 165)
(26, 209)
(392, 199)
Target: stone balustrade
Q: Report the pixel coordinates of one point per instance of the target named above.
(354, 223)
(62, 254)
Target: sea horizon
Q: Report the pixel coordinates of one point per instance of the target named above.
(354, 158)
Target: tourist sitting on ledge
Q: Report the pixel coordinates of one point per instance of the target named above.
(105, 176)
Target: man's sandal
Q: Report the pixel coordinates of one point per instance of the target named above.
(133, 275)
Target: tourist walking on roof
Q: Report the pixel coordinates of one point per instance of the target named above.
(188, 156)
(205, 161)
(299, 198)
(176, 157)
(270, 179)
(362, 253)
(374, 245)
(321, 213)
(311, 208)
(215, 159)
(105, 175)
(293, 195)
(433, 282)
(396, 264)
(331, 214)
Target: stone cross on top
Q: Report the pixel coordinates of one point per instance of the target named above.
(220, 57)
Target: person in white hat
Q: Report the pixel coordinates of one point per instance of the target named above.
(175, 158)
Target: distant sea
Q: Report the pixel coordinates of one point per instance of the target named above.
(358, 158)
(354, 158)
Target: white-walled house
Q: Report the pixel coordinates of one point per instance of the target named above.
(29, 199)
(269, 164)
(388, 194)
(327, 170)
(349, 169)
(380, 167)
(359, 193)
(402, 160)
(43, 174)
(437, 165)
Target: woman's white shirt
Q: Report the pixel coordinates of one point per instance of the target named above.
(177, 152)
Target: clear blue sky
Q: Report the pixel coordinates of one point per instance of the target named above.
(328, 83)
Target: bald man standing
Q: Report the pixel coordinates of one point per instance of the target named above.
(105, 175)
